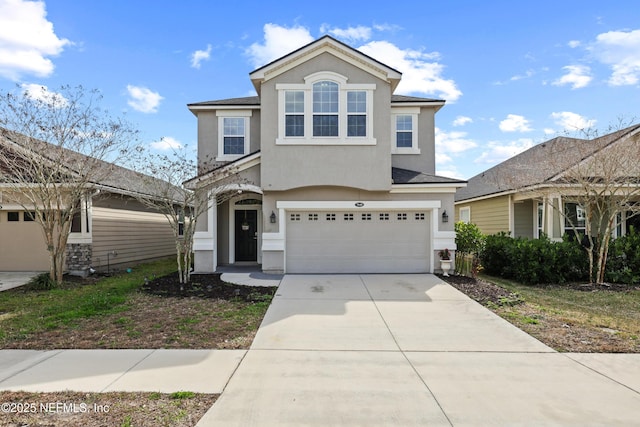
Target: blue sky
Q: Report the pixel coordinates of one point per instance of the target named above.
(513, 73)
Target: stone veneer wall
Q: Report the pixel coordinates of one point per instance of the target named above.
(78, 256)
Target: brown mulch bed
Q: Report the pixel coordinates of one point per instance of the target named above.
(544, 325)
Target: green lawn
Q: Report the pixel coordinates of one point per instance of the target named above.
(25, 312)
(618, 311)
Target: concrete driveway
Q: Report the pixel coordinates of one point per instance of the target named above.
(409, 350)
(12, 279)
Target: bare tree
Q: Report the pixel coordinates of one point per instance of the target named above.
(164, 175)
(54, 147)
(605, 186)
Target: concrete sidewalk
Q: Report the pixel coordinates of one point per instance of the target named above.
(13, 279)
(380, 350)
(165, 371)
(356, 350)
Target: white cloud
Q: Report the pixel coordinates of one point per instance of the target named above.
(348, 35)
(577, 76)
(621, 51)
(462, 120)
(27, 39)
(143, 99)
(571, 121)
(499, 152)
(574, 43)
(421, 73)
(278, 41)
(43, 94)
(526, 75)
(166, 143)
(450, 172)
(515, 123)
(452, 143)
(200, 55)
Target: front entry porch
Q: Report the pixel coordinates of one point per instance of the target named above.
(231, 234)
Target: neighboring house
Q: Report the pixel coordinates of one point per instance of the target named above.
(112, 230)
(336, 174)
(535, 192)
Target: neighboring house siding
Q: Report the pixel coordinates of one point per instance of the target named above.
(523, 219)
(134, 235)
(22, 246)
(490, 215)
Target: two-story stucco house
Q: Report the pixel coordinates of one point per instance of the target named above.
(338, 173)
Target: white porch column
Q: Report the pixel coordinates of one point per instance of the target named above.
(205, 242)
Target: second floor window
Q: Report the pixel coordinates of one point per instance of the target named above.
(404, 131)
(325, 109)
(294, 113)
(357, 113)
(233, 135)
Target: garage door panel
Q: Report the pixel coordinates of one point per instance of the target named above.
(22, 246)
(377, 242)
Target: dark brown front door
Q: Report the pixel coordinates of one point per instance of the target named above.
(246, 235)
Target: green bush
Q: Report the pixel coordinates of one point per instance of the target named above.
(533, 261)
(41, 282)
(623, 262)
(469, 238)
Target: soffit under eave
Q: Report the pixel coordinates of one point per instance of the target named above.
(351, 56)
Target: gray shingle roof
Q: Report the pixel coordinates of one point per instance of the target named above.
(113, 177)
(248, 101)
(255, 101)
(537, 165)
(405, 176)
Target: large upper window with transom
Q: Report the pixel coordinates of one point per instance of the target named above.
(326, 109)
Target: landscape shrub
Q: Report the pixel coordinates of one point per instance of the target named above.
(469, 243)
(534, 261)
(623, 262)
(41, 282)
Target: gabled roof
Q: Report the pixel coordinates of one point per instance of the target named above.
(541, 164)
(223, 170)
(317, 47)
(113, 178)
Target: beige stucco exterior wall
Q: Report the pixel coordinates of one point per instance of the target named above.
(208, 137)
(490, 215)
(341, 165)
(426, 160)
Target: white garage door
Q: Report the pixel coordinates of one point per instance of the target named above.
(358, 242)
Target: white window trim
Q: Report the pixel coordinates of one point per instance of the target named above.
(222, 114)
(414, 112)
(307, 88)
(465, 209)
(85, 236)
